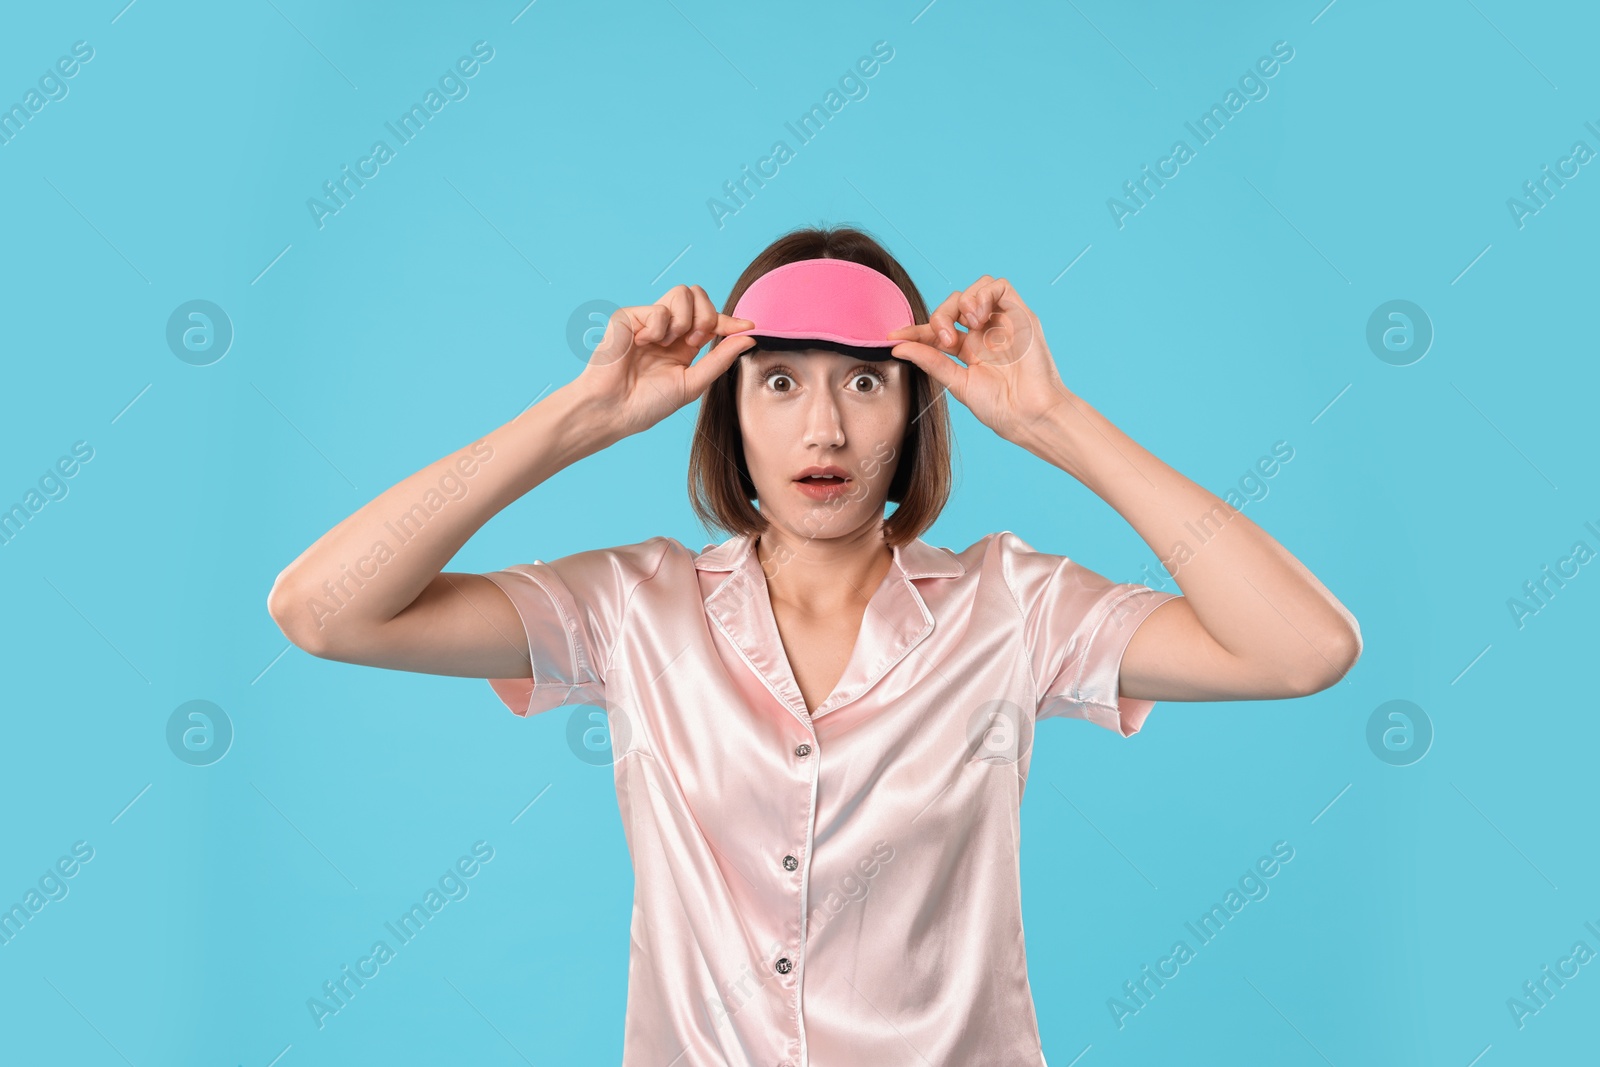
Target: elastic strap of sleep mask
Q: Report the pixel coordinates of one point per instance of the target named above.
(800, 344)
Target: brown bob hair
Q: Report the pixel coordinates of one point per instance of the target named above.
(720, 489)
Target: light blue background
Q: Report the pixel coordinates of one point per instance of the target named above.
(1227, 315)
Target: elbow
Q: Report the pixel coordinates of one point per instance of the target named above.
(1336, 658)
(1349, 646)
(288, 609)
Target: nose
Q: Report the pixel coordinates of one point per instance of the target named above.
(824, 425)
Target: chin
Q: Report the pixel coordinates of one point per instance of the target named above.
(822, 519)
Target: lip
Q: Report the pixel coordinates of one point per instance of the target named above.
(838, 472)
(824, 492)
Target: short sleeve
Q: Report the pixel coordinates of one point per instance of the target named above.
(1076, 626)
(571, 610)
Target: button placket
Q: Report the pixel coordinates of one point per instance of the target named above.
(791, 862)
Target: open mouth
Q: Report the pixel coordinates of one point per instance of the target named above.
(824, 487)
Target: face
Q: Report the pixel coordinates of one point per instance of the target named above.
(814, 409)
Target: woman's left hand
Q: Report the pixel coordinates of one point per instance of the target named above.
(1009, 379)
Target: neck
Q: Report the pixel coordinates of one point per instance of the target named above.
(821, 576)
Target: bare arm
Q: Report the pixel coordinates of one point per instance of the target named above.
(372, 589)
(1253, 622)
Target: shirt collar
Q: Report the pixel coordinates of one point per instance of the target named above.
(918, 559)
(895, 622)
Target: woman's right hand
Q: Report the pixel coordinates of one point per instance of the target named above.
(644, 368)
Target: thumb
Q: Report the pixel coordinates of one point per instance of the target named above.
(699, 375)
(938, 366)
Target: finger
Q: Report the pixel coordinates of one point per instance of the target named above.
(727, 324)
(938, 366)
(922, 333)
(977, 302)
(680, 305)
(943, 320)
(998, 296)
(699, 376)
(704, 322)
(652, 322)
(1010, 328)
(618, 339)
(1007, 298)
(1002, 297)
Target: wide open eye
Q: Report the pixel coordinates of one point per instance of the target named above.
(871, 375)
(779, 372)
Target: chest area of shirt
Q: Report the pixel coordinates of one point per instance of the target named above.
(817, 649)
(839, 660)
(913, 705)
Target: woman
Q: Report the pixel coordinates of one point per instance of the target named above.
(822, 726)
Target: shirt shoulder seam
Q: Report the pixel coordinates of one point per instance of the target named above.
(627, 607)
(1022, 624)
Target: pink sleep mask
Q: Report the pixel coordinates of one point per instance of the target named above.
(838, 304)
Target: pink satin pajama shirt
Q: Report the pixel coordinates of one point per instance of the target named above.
(841, 887)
